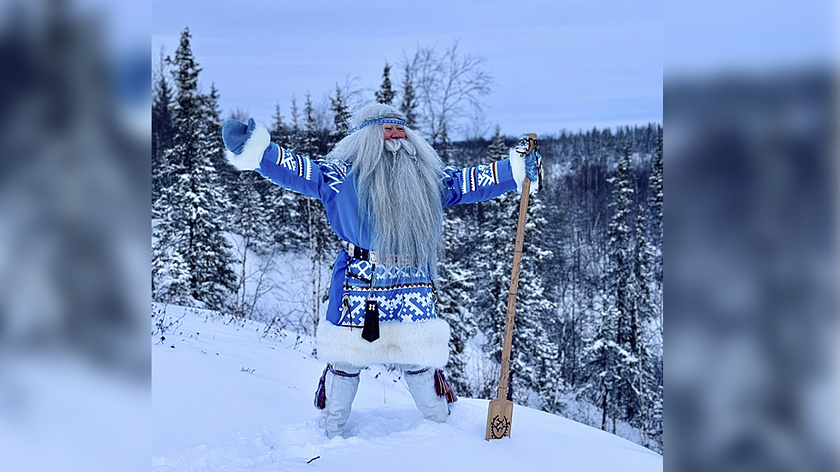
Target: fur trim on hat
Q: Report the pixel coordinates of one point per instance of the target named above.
(423, 343)
(253, 151)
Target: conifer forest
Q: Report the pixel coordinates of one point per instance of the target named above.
(589, 319)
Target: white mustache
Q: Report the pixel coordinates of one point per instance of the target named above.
(394, 145)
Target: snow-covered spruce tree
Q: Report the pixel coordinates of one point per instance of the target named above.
(601, 374)
(535, 358)
(291, 231)
(213, 258)
(491, 258)
(225, 172)
(253, 220)
(279, 129)
(620, 298)
(601, 371)
(655, 393)
(498, 149)
(170, 272)
(561, 273)
(648, 384)
(409, 104)
(322, 243)
(656, 194)
(456, 284)
(191, 208)
(171, 275)
(285, 223)
(445, 147)
(295, 139)
(163, 130)
(341, 118)
(309, 146)
(385, 94)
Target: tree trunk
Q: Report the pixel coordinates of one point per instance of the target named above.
(245, 242)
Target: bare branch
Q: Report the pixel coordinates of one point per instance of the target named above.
(451, 88)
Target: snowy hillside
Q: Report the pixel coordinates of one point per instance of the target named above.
(227, 398)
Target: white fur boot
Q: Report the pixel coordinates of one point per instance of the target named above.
(340, 384)
(421, 384)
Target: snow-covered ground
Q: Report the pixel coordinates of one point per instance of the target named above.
(227, 398)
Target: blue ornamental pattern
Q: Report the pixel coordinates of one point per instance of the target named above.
(404, 294)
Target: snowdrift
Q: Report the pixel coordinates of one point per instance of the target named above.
(227, 398)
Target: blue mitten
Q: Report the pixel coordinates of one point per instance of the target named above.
(532, 170)
(245, 143)
(235, 133)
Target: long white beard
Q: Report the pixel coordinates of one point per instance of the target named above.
(401, 195)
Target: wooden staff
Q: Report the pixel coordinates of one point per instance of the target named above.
(500, 412)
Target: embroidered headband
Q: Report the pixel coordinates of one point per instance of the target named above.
(380, 121)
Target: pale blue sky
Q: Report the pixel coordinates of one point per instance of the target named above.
(717, 37)
(557, 65)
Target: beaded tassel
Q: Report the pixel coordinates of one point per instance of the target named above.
(442, 387)
(321, 393)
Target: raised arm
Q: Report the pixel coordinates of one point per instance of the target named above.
(249, 147)
(484, 182)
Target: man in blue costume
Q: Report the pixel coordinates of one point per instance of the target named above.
(384, 189)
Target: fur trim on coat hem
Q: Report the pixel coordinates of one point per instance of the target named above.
(253, 151)
(423, 343)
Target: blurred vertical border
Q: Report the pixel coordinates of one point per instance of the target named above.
(750, 252)
(74, 235)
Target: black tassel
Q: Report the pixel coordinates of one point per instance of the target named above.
(370, 331)
(321, 393)
(442, 387)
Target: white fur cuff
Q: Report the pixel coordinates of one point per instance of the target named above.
(517, 168)
(423, 343)
(253, 151)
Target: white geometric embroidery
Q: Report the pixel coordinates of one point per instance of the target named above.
(394, 272)
(464, 180)
(416, 311)
(357, 307)
(301, 165)
(361, 268)
(389, 304)
(474, 177)
(334, 178)
(485, 176)
(307, 165)
(288, 160)
(406, 315)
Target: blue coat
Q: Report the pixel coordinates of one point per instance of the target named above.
(405, 295)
